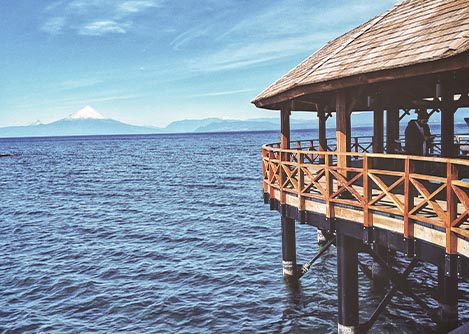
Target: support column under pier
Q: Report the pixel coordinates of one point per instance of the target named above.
(448, 298)
(290, 270)
(347, 271)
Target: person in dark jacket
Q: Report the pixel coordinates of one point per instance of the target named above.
(417, 135)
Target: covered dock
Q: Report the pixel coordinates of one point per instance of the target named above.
(371, 196)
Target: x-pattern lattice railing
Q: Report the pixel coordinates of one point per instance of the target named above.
(364, 144)
(426, 190)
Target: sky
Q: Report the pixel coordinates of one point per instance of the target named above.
(151, 62)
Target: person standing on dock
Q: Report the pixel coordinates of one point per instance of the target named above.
(417, 135)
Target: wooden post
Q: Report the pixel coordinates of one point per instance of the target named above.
(330, 213)
(447, 124)
(367, 193)
(356, 144)
(448, 293)
(347, 249)
(301, 182)
(284, 145)
(271, 174)
(323, 159)
(290, 271)
(408, 199)
(322, 134)
(342, 129)
(288, 224)
(452, 172)
(347, 272)
(447, 276)
(265, 172)
(285, 128)
(378, 130)
(392, 129)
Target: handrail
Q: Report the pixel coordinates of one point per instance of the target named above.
(364, 144)
(428, 190)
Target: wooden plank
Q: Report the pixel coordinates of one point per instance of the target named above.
(342, 126)
(388, 223)
(329, 184)
(463, 247)
(451, 174)
(429, 234)
(367, 194)
(315, 206)
(408, 200)
(301, 182)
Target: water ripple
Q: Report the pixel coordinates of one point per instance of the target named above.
(156, 234)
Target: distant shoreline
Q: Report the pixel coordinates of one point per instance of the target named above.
(134, 135)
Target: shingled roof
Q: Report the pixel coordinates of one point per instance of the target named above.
(412, 32)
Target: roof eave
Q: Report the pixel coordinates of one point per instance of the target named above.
(457, 62)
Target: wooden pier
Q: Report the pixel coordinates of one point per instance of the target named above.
(417, 206)
(370, 196)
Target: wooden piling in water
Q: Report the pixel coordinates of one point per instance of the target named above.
(347, 273)
(289, 266)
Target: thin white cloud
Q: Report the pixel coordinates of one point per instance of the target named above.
(223, 93)
(79, 83)
(85, 5)
(137, 6)
(236, 56)
(191, 34)
(280, 30)
(54, 5)
(116, 98)
(54, 25)
(100, 28)
(94, 17)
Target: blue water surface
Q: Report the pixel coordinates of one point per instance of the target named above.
(160, 234)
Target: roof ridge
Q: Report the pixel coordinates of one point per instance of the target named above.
(372, 23)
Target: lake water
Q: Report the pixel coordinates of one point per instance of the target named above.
(161, 234)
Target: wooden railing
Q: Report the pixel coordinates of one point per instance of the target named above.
(428, 191)
(364, 144)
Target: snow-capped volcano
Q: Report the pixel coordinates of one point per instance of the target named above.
(38, 122)
(86, 113)
(85, 122)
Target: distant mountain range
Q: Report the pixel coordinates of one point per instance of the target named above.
(85, 122)
(88, 121)
(228, 125)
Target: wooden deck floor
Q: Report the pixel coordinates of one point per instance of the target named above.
(394, 223)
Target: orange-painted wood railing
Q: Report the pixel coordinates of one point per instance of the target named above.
(424, 190)
(364, 144)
